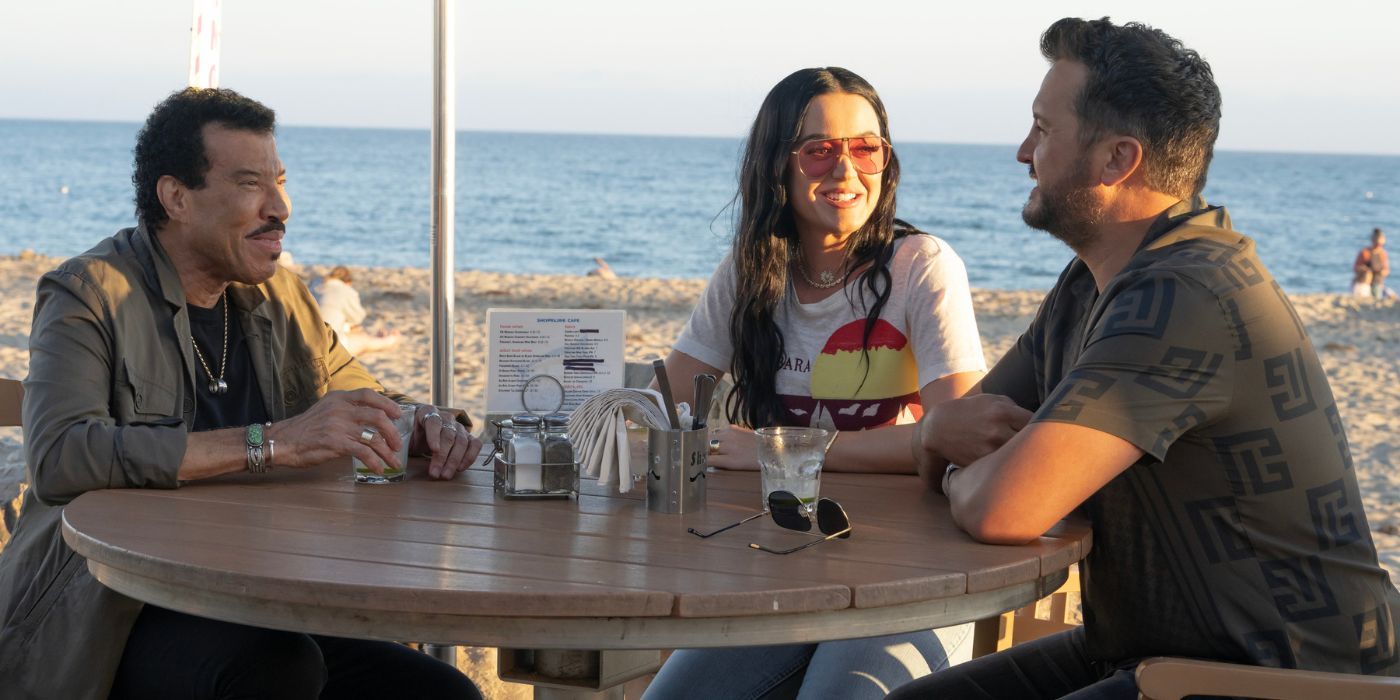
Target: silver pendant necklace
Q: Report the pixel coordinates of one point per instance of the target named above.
(217, 386)
(828, 278)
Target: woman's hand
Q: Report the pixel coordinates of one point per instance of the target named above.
(733, 447)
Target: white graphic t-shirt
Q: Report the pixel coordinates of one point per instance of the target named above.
(926, 331)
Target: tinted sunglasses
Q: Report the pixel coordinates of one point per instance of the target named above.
(869, 154)
(791, 513)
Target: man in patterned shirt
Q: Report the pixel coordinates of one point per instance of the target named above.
(1167, 389)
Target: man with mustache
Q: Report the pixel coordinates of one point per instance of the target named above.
(1167, 390)
(176, 351)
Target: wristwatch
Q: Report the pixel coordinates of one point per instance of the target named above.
(255, 437)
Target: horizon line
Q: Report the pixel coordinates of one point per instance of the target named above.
(541, 132)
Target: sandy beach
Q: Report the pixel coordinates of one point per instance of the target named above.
(1359, 342)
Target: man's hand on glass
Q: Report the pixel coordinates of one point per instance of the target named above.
(341, 424)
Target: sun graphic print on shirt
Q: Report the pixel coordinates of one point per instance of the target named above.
(848, 393)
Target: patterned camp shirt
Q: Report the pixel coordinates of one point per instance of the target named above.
(1240, 534)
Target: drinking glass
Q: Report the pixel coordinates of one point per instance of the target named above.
(790, 459)
(404, 425)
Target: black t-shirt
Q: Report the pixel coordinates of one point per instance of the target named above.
(1240, 535)
(243, 404)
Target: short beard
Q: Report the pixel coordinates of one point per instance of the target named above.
(1072, 213)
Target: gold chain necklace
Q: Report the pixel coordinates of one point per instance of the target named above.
(828, 278)
(217, 385)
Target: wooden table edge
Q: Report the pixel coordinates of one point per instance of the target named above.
(632, 602)
(638, 632)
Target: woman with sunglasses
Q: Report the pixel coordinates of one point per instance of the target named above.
(828, 312)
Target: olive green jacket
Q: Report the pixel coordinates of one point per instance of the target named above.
(108, 404)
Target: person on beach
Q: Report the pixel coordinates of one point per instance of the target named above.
(1167, 391)
(828, 312)
(1371, 268)
(341, 309)
(176, 351)
(602, 270)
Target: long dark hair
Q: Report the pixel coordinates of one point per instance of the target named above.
(766, 233)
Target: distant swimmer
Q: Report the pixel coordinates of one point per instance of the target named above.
(1371, 268)
(603, 270)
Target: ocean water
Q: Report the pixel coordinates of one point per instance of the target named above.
(655, 206)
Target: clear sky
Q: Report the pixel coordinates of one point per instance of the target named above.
(1296, 76)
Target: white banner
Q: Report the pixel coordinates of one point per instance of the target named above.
(204, 43)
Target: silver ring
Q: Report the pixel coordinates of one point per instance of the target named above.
(714, 447)
(432, 414)
(367, 435)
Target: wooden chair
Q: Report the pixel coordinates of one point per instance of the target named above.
(1022, 625)
(11, 400)
(1172, 679)
(637, 375)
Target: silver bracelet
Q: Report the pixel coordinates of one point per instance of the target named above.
(254, 437)
(948, 477)
(271, 452)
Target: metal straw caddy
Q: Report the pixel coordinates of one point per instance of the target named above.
(676, 461)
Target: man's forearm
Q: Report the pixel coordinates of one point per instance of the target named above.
(213, 453)
(1016, 493)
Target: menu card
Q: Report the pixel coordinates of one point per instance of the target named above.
(581, 348)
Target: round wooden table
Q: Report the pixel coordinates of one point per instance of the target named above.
(453, 563)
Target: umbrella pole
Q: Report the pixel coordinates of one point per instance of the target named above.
(442, 227)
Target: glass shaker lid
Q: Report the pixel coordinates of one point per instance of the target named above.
(525, 422)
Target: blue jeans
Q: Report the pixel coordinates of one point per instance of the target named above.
(850, 669)
(1050, 667)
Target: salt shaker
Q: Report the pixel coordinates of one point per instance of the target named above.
(524, 456)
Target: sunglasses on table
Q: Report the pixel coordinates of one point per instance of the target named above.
(869, 155)
(791, 513)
